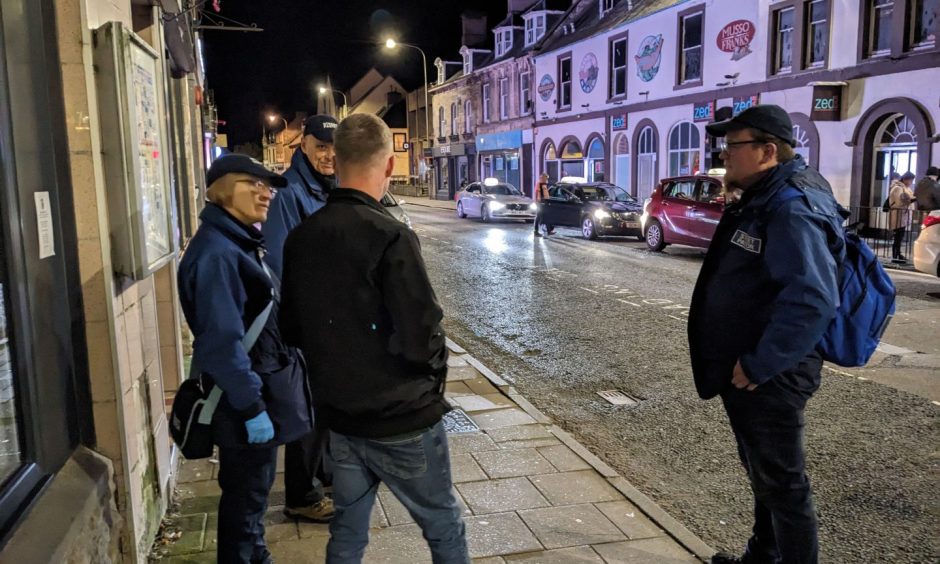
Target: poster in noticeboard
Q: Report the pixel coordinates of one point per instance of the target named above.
(150, 156)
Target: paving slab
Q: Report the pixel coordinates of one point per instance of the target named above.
(481, 386)
(470, 442)
(480, 403)
(563, 458)
(570, 488)
(644, 551)
(519, 433)
(455, 360)
(465, 469)
(193, 534)
(529, 443)
(629, 519)
(203, 488)
(489, 560)
(277, 527)
(195, 471)
(457, 373)
(307, 550)
(560, 527)
(403, 544)
(499, 534)
(456, 389)
(496, 496)
(502, 418)
(199, 558)
(512, 463)
(577, 555)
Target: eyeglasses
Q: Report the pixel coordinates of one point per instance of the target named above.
(260, 186)
(724, 145)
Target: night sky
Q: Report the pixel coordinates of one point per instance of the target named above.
(303, 41)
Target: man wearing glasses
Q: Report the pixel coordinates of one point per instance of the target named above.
(765, 295)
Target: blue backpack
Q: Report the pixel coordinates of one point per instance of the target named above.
(866, 306)
(866, 302)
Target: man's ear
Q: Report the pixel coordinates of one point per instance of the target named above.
(390, 166)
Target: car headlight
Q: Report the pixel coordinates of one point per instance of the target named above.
(601, 214)
(533, 207)
(494, 205)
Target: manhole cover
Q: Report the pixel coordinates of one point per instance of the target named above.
(617, 397)
(457, 421)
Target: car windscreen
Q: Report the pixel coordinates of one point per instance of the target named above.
(501, 190)
(603, 194)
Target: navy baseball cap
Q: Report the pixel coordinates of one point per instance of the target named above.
(321, 126)
(768, 118)
(243, 164)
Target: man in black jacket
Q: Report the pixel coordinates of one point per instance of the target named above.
(372, 321)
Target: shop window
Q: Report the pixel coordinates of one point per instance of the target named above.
(486, 103)
(618, 67)
(564, 83)
(783, 40)
(690, 54)
(572, 160)
(817, 33)
(595, 157)
(550, 163)
(11, 455)
(622, 162)
(684, 150)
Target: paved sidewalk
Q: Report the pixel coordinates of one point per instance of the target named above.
(530, 493)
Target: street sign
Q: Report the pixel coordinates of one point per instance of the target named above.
(704, 111)
(618, 122)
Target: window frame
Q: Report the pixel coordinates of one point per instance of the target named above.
(525, 93)
(808, 38)
(440, 122)
(502, 91)
(802, 38)
(453, 119)
(775, 45)
(611, 69)
(559, 61)
(467, 115)
(679, 150)
(605, 6)
(486, 98)
(910, 22)
(901, 46)
(681, 17)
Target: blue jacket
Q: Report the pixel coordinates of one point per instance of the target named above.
(768, 288)
(302, 196)
(223, 288)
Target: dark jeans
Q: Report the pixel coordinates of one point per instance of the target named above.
(245, 476)
(304, 469)
(539, 223)
(769, 433)
(416, 467)
(896, 246)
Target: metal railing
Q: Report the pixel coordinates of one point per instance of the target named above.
(874, 226)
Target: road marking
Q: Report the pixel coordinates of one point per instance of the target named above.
(840, 372)
(626, 302)
(677, 318)
(893, 350)
(657, 301)
(588, 290)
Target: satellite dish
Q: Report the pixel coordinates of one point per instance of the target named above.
(179, 43)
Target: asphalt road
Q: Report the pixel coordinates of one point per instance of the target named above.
(564, 318)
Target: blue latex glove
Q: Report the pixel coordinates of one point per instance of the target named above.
(260, 428)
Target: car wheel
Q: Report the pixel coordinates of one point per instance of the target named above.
(588, 229)
(654, 236)
(460, 213)
(485, 214)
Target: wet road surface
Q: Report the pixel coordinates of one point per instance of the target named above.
(564, 318)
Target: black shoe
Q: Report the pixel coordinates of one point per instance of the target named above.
(725, 558)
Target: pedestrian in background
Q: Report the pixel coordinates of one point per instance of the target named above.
(540, 194)
(225, 289)
(901, 202)
(765, 295)
(373, 324)
(310, 179)
(927, 191)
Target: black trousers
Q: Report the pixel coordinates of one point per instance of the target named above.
(305, 472)
(898, 239)
(245, 476)
(769, 432)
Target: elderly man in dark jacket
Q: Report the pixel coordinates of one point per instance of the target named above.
(372, 321)
(310, 179)
(927, 191)
(765, 295)
(224, 287)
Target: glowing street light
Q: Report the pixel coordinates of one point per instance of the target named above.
(391, 44)
(324, 90)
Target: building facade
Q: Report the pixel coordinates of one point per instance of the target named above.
(628, 87)
(453, 115)
(91, 343)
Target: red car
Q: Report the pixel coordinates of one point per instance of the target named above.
(684, 210)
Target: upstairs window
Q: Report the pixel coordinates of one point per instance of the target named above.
(524, 94)
(879, 36)
(618, 68)
(534, 28)
(440, 121)
(817, 33)
(783, 40)
(503, 41)
(504, 98)
(606, 6)
(486, 103)
(564, 86)
(923, 23)
(453, 118)
(467, 115)
(690, 64)
(468, 63)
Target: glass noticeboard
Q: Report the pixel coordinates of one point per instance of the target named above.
(132, 110)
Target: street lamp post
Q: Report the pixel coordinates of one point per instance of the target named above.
(391, 44)
(324, 90)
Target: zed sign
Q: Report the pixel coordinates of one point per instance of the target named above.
(827, 103)
(704, 111)
(736, 37)
(618, 122)
(744, 102)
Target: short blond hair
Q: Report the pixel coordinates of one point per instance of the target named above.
(222, 191)
(361, 139)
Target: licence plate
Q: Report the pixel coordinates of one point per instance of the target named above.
(631, 224)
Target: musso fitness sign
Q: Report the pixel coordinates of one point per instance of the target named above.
(736, 38)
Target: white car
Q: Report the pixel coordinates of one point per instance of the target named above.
(492, 199)
(927, 245)
(393, 207)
